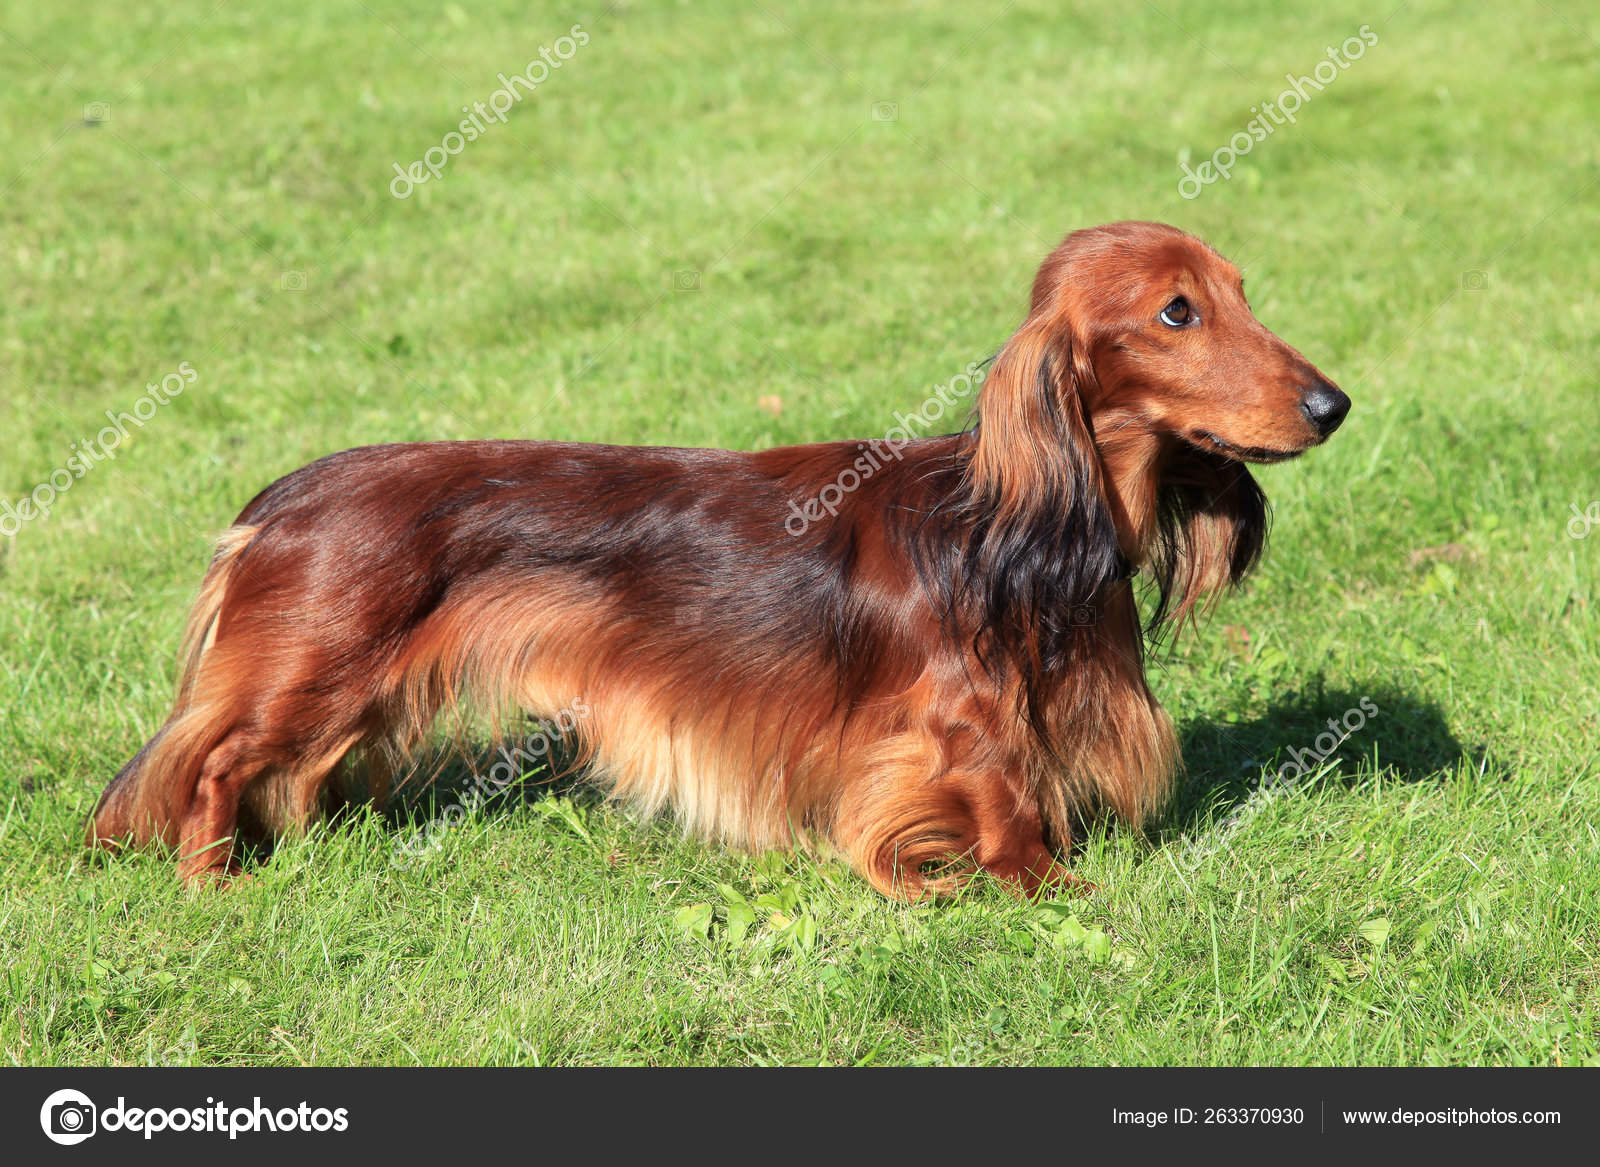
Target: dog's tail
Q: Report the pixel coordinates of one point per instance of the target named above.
(147, 798)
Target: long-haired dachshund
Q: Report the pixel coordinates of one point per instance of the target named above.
(941, 673)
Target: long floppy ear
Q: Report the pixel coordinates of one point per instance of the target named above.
(1211, 526)
(1035, 452)
(1042, 544)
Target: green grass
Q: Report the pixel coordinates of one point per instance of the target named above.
(1424, 234)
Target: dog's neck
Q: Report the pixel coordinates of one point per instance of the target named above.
(1133, 459)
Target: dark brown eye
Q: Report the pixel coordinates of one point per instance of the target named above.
(1177, 314)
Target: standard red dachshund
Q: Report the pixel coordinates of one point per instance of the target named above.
(943, 673)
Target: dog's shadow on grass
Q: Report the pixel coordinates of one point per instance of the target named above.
(443, 782)
(447, 783)
(1316, 734)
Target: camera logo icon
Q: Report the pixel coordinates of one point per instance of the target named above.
(68, 1117)
(687, 280)
(1083, 615)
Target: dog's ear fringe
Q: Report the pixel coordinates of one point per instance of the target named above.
(1040, 546)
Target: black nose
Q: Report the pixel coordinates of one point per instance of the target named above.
(1324, 406)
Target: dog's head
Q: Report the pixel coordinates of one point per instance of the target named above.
(1174, 348)
(1138, 386)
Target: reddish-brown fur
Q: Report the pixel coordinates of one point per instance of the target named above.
(945, 676)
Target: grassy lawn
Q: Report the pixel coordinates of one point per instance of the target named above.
(746, 225)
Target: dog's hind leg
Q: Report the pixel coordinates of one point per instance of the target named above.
(275, 774)
(209, 823)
